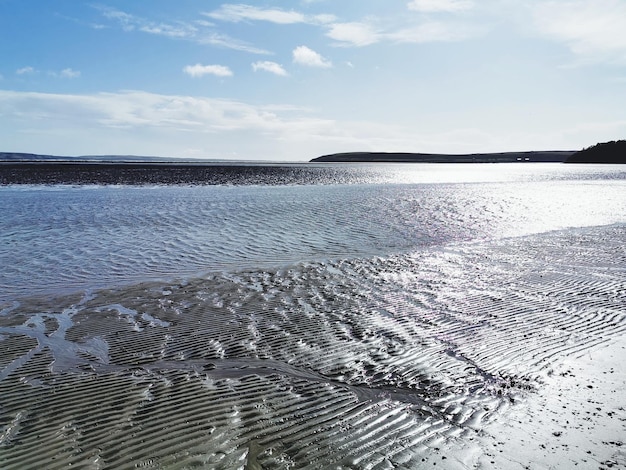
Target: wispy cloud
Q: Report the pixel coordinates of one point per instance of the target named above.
(69, 73)
(227, 42)
(81, 22)
(135, 109)
(26, 70)
(153, 124)
(65, 73)
(182, 31)
(200, 70)
(437, 6)
(360, 34)
(126, 20)
(305, 56)
(149, 123)
(269, 66)
(594, 30)
(130, 22)
(241, 12)
(200, 32)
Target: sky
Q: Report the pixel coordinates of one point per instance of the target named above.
(293, 80)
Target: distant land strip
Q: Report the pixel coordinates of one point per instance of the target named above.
(29, 168)
(612, 152)
(38, 158)
(557, 156)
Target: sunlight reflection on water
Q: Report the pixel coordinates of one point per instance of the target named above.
(66, 237)
(403, 173)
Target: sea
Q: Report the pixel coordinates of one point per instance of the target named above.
(346, 316)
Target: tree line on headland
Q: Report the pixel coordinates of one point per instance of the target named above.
(607, 152)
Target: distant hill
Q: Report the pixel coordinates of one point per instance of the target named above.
(403, 157)
(34, 157)
(607, 152)
(26, 157)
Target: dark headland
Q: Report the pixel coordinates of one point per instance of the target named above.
(607, 152)
(558, 156)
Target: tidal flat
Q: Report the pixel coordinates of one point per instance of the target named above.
(464, 324)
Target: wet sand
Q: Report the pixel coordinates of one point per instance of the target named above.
(576, 418)
(501, 354)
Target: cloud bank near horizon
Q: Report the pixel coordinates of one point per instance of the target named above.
(203, 123)
(244, 79)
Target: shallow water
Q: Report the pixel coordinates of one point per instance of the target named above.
(361, 325)
(61, 238)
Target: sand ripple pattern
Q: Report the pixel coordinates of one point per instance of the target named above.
(356, 363)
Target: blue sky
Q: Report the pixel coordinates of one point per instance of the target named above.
(292, 80)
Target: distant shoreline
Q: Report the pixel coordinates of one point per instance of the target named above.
(557, 156)
(29, 168)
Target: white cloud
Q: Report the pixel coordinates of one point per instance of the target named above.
(240, 12)
(595, 30)
(305, 56)
(322, 19)
(25, 70)
(199, 70)
(355, 34)
(434, 6)
(269, 66)
(363, 34)
(69, 73)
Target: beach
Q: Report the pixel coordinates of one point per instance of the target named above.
(439, 327)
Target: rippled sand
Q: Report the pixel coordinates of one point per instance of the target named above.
(396, 362)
